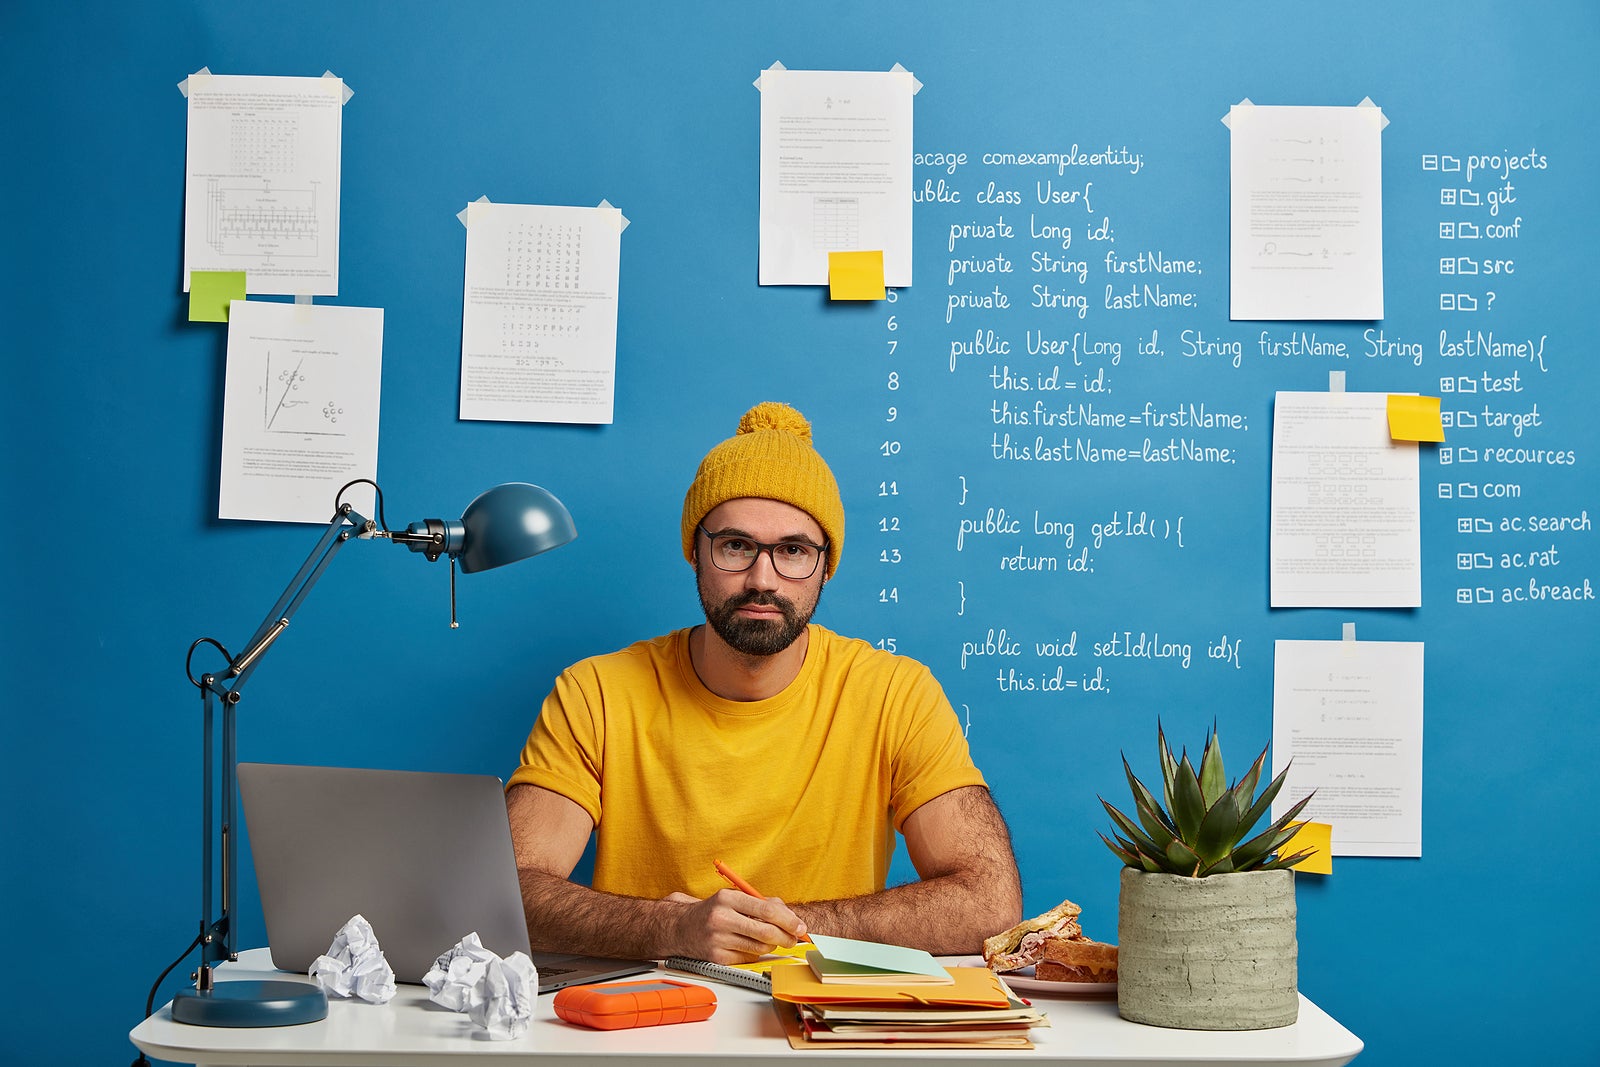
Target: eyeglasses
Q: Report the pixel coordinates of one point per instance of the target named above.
(795, 560)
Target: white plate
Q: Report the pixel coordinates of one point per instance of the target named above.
(1023, 981)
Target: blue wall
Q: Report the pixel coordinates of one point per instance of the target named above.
(112, 421)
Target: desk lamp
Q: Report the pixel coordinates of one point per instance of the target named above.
(505, 524)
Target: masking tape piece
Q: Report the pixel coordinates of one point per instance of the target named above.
(776, 66)
(462, 214)
(345, 92)
(623, 218)
(1383, 120)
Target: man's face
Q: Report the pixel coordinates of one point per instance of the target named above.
(758, 611)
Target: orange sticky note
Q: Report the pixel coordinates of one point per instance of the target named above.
(855, 276)
(1317, 837)
(1414, 418)
(210, 292)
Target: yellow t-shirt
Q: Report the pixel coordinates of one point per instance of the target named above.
(800, 793)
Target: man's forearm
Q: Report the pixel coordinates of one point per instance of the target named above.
(566, 917)
(948, 915)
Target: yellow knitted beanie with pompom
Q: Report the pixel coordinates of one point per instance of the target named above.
(770, 456)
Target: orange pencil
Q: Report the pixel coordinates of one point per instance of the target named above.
(734, 880)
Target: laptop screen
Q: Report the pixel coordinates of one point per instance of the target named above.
(425, 857)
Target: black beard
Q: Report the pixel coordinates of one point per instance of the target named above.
(756, 637)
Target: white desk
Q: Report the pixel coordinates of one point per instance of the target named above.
(410, 1031)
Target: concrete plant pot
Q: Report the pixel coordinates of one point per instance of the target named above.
(1216, 953)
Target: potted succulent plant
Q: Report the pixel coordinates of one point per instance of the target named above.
(1206, 916)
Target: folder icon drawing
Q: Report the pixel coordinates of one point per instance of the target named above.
(1466, 265)
(1466, 455)
(1465, 384)
(1466, 419)
(1467, 231)
(1466, 302)
(1482, 525)
(1470, 198)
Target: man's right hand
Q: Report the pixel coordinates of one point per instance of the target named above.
(734, 927)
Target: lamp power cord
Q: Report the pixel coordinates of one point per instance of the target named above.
(150, 1001)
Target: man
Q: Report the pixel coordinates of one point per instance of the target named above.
(761, 739)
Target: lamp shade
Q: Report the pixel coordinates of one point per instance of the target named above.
(511, 522)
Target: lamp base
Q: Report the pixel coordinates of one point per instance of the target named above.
(251, 1003)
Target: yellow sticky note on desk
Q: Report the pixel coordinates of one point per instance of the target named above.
(211, 291)
(1414, 418)
(1317, 838)
(855, 276)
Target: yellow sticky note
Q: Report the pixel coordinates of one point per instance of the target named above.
(1415, 418)
(210, 291)
(1317, 837)
(855, 276)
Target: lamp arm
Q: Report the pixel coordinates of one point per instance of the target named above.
(345, 523)
(217, 935)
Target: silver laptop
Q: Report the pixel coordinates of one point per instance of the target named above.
(425, 857)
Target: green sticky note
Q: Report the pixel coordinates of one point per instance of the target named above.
(873, 956)
(210, 291)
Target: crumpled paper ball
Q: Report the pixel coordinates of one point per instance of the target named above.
(455, 973)
(354, 965)
(502, 1001)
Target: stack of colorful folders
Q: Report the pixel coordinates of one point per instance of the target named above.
(969, 1008)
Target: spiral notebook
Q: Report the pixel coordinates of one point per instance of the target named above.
(721, 972)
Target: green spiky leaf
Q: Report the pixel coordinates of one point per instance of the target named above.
(1188, 803)
(1258, 848)
(1183, 858)
(1280, 863)
(1151, 814)
(1169, 766)
(1219, 830)
(1262, 803)
(1130, 829)
(1212, 781)
(1246, 786)
(1123, 851)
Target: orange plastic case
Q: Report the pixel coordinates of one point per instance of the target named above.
(619, 1005)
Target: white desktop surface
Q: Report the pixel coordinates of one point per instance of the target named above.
(411, 1031)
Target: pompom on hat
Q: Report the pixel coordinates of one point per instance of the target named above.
(769, 456)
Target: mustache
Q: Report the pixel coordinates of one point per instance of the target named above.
(757, 596)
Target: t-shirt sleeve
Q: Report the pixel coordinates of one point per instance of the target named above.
(932, 757)
(564, 749)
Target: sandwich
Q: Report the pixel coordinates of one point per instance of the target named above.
(1054, 945)
(1077, 959)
